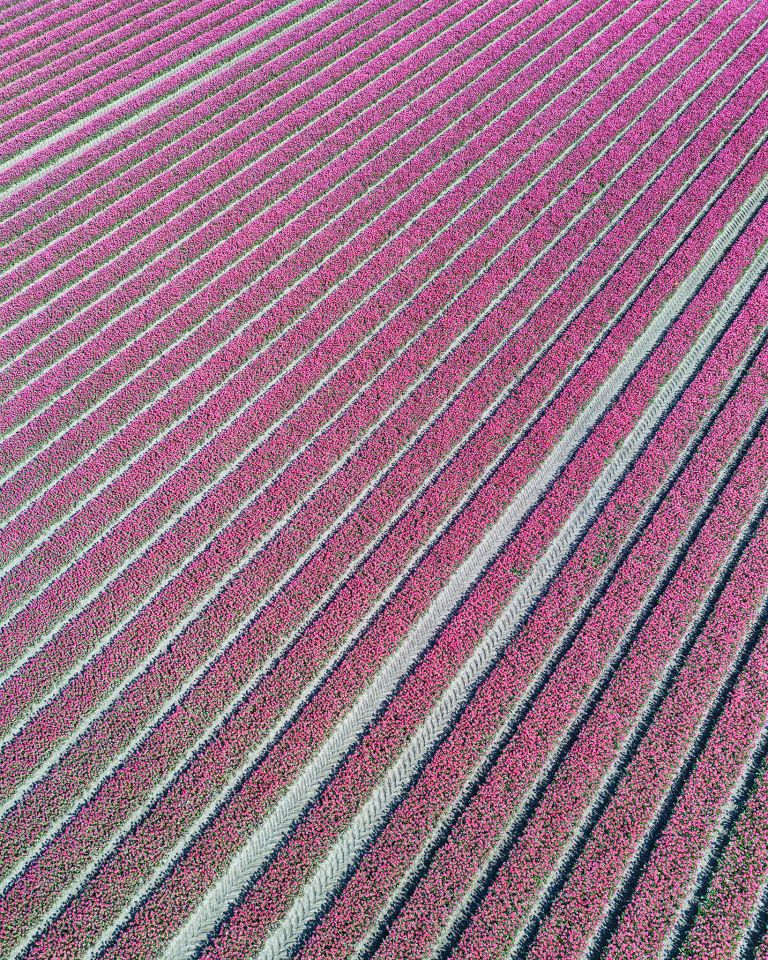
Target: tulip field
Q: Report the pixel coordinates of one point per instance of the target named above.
(384, 479)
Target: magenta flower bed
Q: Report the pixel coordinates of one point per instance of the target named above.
(383, 470)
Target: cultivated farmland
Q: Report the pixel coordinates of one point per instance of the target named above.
(384, 479)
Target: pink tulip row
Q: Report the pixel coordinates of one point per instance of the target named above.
(37, 121)
(646, 779)
(26, 20)
(139, 430)
(16, 632)
(261, 910)
(454, 850)
(189, 148)
(440, 499)
(194, 132)
(27, 195)
(736, 883)
(274, 891)
(212, 141)
(122, 872)
(19, 691)
(85, 59)
(539, 844)
(121, 447)
(20, 25)
(264, 201)
(244, 85)
(398, 846)
(287, 90)
(177, 321)
(344, 37)
(89, 131)
(254, 798)
(286, 31)
(85, 68)
(19, 20)
(29, 44)
(438, 886)
(97, 674)
(686, 830)
(265, 471)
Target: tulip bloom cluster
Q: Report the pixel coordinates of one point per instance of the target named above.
(383, 456)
